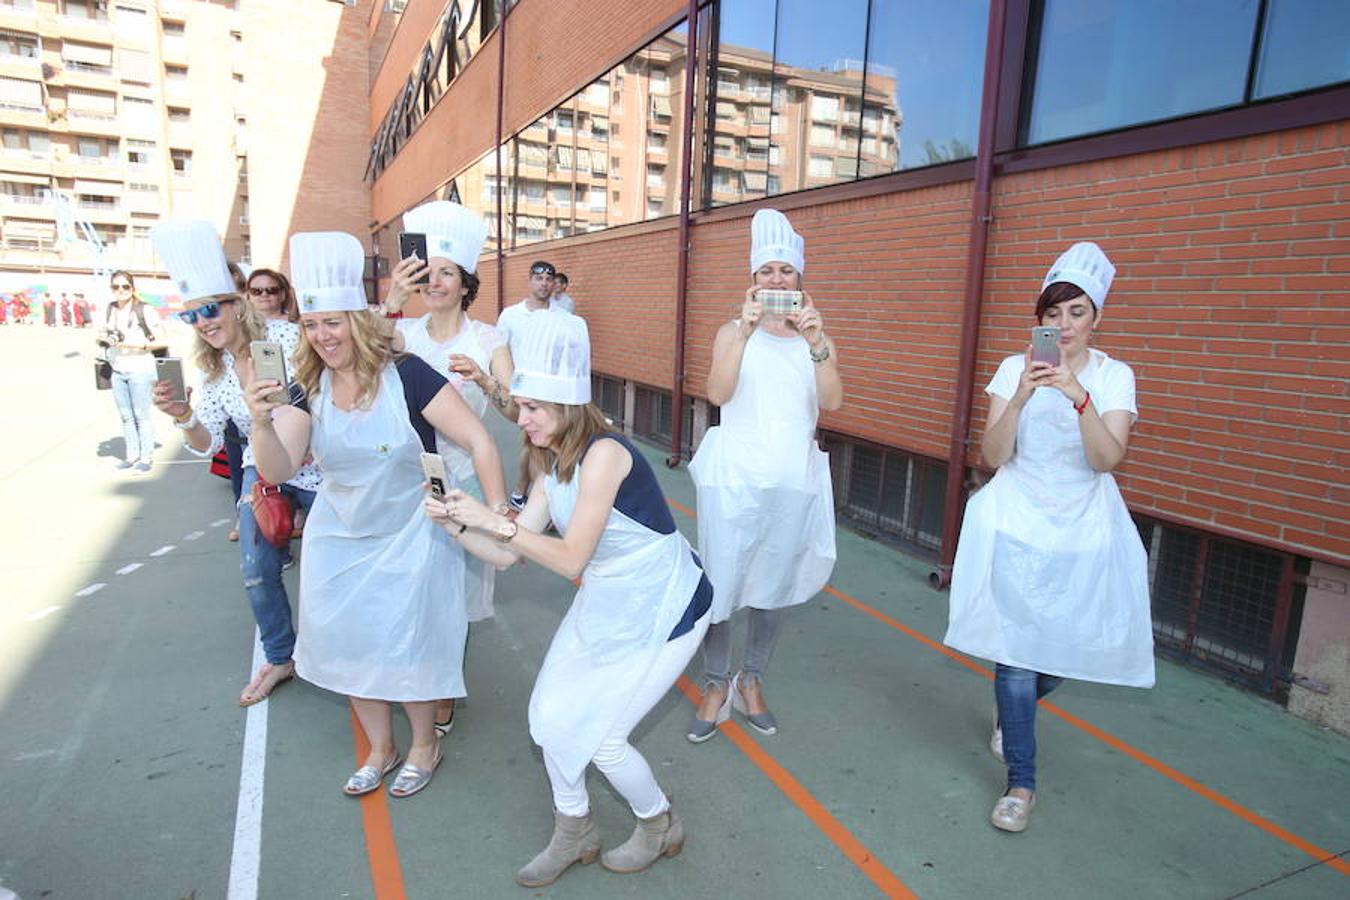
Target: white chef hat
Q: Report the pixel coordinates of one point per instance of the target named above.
(191, 251)
(553, 362)
(1086, 266)
(453, 231)
(327, 269)
(773, 240)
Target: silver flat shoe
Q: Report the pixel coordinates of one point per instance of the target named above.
(368, 778)
(763, 722)
(411, 779)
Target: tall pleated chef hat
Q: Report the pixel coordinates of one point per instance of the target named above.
(453, 231)
(1086, 266)
(191, 251)
(773, 240)
(327, 270)
(553, 362)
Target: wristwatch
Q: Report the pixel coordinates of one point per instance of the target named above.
(505, 531)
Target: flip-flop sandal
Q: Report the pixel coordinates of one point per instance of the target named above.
(369, 778)
(257, 684)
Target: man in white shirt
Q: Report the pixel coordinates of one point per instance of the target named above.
(561, 298)
(515, 318)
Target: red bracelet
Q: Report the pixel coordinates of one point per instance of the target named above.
(1087, 398)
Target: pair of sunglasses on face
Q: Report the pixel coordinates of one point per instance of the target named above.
(207, 311)
(272, 291)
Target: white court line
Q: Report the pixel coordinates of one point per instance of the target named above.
(192, 536)
(219, 522)
(129, 568)
(167, 548)
(40, 614)
(247, 852)
(90, 589)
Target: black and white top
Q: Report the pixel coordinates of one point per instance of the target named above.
(222, 400)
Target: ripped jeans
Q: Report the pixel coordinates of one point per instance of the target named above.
(260, 564)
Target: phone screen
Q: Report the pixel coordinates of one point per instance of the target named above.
(410, 243)
(1045, 345)
(170, 369)
(269, 362)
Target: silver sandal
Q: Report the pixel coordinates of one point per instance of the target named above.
(411, 779)
(368, 778)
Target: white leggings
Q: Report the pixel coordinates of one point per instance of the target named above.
(619, 760)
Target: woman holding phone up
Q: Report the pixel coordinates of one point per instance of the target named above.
(1051, 579)
(382, 616)
(472, 355)
(225, 327)
(765, 502)
(636, 621)
(130, 338)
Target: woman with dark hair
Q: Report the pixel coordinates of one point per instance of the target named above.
(272, 296)
(382, 616)
(224, 329)
(1051, 579)
(471, 354)
(635, 622)
(129, 337)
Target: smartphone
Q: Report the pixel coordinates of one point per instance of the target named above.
(170, 369)
(269, 362)
(410, 243)
(434, 468)
(780, 303)
(1045, 344)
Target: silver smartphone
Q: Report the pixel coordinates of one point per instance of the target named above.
(780, 303)
(269, 362)
(1045, 344)
(170, 369)
(434, 468)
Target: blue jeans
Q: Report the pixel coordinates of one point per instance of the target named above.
(260, 564)
(132, 391)
(1016, 691)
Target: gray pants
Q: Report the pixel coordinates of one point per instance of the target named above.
(761, 636)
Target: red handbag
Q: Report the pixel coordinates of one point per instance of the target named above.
(273, 512)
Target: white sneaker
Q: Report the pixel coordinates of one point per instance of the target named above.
(1011, 813)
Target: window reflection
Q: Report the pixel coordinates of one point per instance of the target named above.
(1116, 63)
(1304, 46)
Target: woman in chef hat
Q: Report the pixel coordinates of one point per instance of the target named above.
(765, 501)
(376, 623)
(1050, 579)
(636, 621)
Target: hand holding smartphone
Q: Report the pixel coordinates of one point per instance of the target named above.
(433, 466)
(170, 369)
(269, 362)
(1045, 344)
(780, 303)
(412, 244)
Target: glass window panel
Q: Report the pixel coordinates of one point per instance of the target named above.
(925, 70)
(657, 84)
(1304, 46)
(1116, 63)
(741, 92)
(818, 63)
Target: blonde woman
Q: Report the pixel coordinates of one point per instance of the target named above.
(382, 616)
(224, 328)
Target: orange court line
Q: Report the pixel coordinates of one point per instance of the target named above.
(1320, 854)
(386, 875)
(852, 848)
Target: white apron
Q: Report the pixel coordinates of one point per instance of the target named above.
(381, 611)
(1050, 573)
(765, 500)
(633, 592)
(480, 577)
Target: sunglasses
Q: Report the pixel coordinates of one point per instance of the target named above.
(121, 287)
(207, 311)
(271, 291)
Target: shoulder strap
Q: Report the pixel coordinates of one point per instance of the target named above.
(140, 317)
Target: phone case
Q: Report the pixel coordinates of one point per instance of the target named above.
(780, 303)
(411, 243)
(433, 466)
(170, 369)
(270, 362)
(1045, 345)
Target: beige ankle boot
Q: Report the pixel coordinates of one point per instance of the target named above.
(661, 835)
(575, 839)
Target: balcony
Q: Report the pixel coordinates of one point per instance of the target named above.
(81, 28)
(29, 162)
(81, 121)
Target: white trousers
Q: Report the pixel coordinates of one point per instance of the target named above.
(621, 763)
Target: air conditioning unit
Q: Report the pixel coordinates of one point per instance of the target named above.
(243, 220)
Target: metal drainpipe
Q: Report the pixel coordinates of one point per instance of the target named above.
(974, 289)
(501, 112)
(682, 257)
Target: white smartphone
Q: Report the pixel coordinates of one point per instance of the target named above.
(170, 369)
(269, 362)
(434, 468)
(1045, 344)
(780, 303)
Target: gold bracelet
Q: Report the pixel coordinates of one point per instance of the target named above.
(185, 417)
